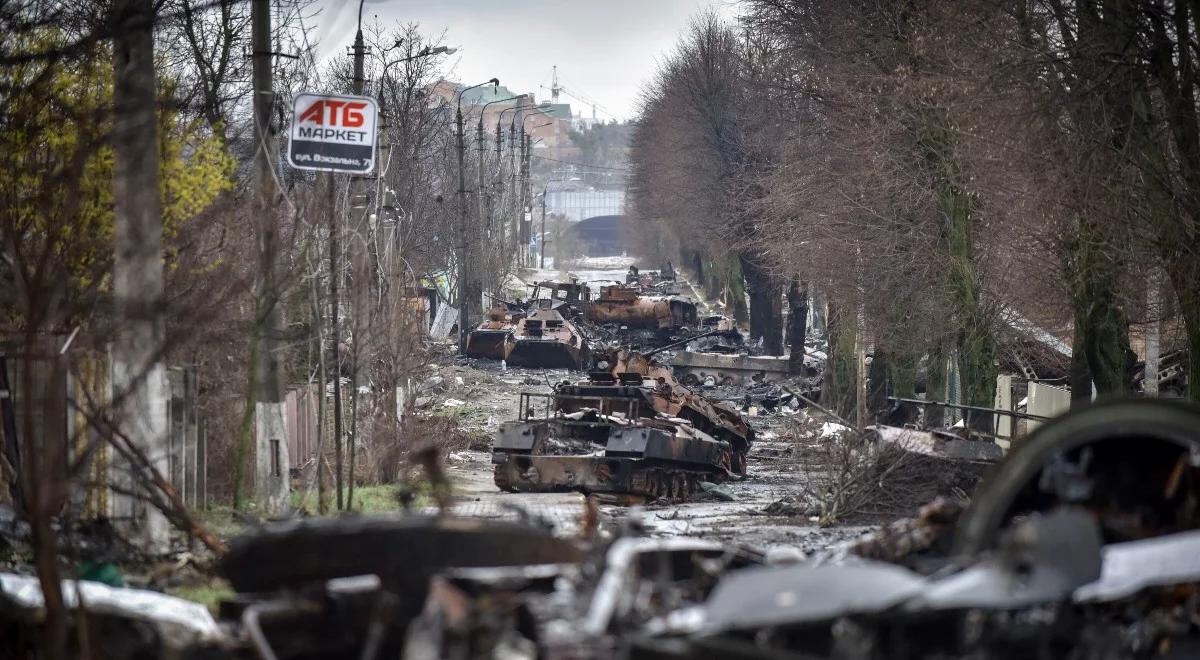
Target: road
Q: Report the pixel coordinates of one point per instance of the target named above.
(483, 396)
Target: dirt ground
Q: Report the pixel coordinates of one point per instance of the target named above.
(482, 395)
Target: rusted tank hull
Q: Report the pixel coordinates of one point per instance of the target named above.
(628, 307)
(593, 454)
(546, 354)
(489, 344)
(591, 474)
(643, 313)
(543, 339)
(694, 368)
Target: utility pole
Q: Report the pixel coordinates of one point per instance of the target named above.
(271, 482)
(526, 199)
(518, 217)
(334, 276)
(137, 259)
(464, 259)
(481, 150)
(335, 335)
(466, 288)
(543, 259)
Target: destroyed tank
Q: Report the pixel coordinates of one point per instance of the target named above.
(629, 429)
(630, 307)
(537, 334)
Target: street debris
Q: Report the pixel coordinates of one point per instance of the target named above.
(630, 429)
(1083, 563)
(138, 622)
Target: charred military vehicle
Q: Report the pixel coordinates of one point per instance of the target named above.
(630, 428)
(630, 307)
(539, 334)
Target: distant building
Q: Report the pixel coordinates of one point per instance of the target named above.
(549, 128)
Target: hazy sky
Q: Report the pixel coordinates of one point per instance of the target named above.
(604, 49)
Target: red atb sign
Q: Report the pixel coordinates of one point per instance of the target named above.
(333, 133)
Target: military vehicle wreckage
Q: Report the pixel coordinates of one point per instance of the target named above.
(631, 428)
(632, 307)
(540, 333)
(552, 331)
(1083, 544)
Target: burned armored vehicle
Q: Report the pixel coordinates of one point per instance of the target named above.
(539, 333)
(628, 306)
(569, 298)
(630, 429)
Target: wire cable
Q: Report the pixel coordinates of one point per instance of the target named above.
(591, 166)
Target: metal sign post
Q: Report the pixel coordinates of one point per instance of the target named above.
(332, 133)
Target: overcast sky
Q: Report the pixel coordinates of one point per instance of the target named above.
(605, 49)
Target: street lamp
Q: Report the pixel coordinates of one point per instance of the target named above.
(483, 111)
(517, 110)
(464, 268)
(542, 260)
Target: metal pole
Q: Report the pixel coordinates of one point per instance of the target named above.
(464, 270)
(335, 336)
(359, 55)
(543, 259)
(526, 198)
(359, 51)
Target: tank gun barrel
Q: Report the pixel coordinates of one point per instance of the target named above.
(682, 342)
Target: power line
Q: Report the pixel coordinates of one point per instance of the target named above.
(583, 165)
(574, 91)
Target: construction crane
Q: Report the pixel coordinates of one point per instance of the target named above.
(556, 89)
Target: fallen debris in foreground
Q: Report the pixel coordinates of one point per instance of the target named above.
(1082, 544)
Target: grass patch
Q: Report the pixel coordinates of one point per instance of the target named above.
(221, 522)
(383, 498)
(209, 593)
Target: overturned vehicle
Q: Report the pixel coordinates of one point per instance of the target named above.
(629, 429)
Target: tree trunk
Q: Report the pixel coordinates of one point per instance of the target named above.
(322, 379)
(1081, 376)
(797, 324)
(879, 383)
(137, 265)
(935, 385)
(734, 287)
(838, 389)
(245, 439)
(1184, 277)
(976, 345)
(1101, 327)
(766, 307)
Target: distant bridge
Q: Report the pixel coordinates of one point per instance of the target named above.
(600, 235)
(576, 201)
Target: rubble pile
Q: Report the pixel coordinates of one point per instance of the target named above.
(1084, 543)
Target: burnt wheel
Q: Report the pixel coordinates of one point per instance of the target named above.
(1134, 464)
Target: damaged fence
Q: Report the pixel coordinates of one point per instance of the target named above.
(69, 387)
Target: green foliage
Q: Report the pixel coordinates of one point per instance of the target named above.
(208, 593)
(380, 498)
(57, 166)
